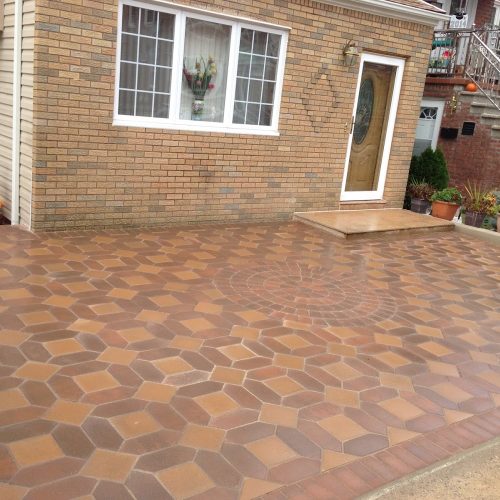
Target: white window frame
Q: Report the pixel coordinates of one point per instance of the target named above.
(175, 122)
(376, 194)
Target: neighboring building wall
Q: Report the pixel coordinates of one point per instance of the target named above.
(6, 72)
(26, 155)
(88, 173)
(484, 12)
(476, 157)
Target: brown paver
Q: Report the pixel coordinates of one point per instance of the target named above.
(238, 361)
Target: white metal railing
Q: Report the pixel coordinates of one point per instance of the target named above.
(483, 65)
(469, 53)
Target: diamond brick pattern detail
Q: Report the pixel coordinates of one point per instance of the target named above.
(240, 361)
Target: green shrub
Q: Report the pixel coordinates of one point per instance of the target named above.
(430, 167)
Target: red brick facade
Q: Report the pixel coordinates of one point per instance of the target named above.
(88, 173)
(469, 157)
(484, 12)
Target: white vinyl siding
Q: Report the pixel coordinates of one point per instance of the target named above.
(6, 91)
(6, 76)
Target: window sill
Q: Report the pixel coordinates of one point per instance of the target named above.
(205, 127)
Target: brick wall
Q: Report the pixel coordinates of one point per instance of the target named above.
(484, 12)
(88, 173)
(476, 157)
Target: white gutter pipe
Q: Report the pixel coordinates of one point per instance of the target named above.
(16, 110)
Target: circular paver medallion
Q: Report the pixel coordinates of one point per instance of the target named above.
(297, 291)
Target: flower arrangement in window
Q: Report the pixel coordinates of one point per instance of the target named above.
(200, 82)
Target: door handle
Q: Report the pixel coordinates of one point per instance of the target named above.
(350, 126)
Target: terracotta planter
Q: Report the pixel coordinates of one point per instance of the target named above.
(419, 206)
(444, 210)
(475, 219)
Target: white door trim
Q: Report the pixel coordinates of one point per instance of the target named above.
(377, 194)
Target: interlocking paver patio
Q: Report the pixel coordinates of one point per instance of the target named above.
(241, 360)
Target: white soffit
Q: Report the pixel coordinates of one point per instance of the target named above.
(391, 10)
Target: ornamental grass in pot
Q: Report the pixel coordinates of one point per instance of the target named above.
(420, 193)
(445, 203)
(478, 203)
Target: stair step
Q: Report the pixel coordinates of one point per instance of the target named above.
(491, 116)
(495, 131)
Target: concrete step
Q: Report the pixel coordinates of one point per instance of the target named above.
(354, 224)
(477, 98)
(495, 131)
(478, 108)
(491, 119)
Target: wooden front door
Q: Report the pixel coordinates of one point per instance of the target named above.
(372, 129)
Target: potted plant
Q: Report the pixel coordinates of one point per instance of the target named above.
(420, 194)
(446, 202)
(478, 203)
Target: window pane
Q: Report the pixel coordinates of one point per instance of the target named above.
(126, 102)
(268, 92)
(162, 106)
(144, 104)
(257, 70)
(162, 82)
(147, 50)
(206, 57)
(145, 77)
(129, 48)
(127, 75)
(164, 56)
(130, 22)
(149, 22)
(273, 45)
(241, 89)
(252, 114)
(266, 113)
(246, 40)
(254, 94)
(145, 63)
(166, 26)
(239, 112)
(259, 42)
(244, 65)
(271, 67)
(263, 61)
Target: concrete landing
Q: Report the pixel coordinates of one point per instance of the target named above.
(351, 224)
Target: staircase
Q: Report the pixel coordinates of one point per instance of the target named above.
(483, 68)
(483, 107)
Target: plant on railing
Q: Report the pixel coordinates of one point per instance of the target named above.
(442, 61)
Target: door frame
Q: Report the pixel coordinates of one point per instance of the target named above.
(439, 105)
(377, 194)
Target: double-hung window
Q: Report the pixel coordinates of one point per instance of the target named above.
(180, 68)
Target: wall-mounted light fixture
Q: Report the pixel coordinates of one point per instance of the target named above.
(351, 53)
(453, 103)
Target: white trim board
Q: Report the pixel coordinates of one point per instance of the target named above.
(393, 10)
(378, 193)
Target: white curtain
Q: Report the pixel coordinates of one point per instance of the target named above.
(205, 39)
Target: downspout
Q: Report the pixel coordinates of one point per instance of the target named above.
(16, 110)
